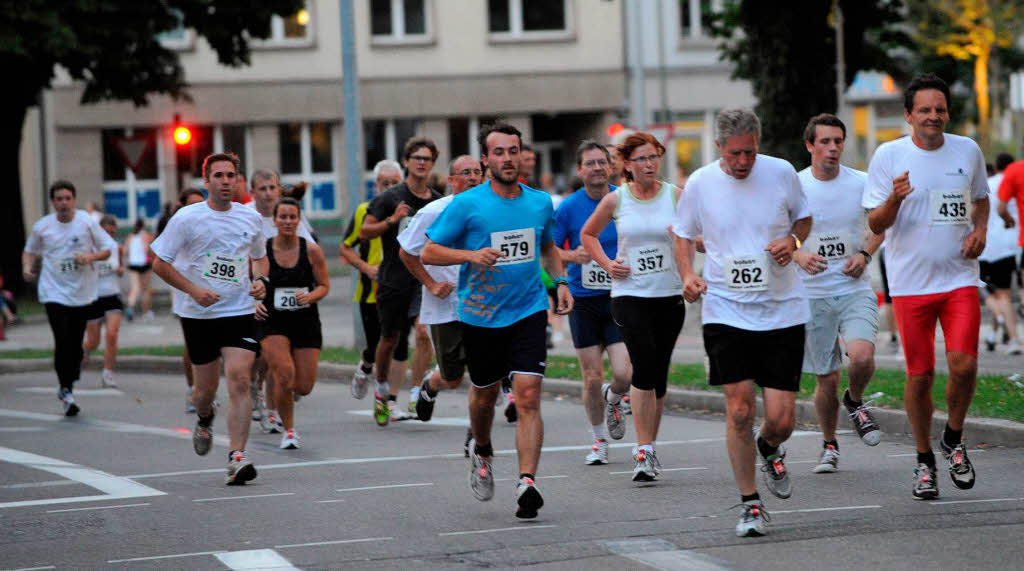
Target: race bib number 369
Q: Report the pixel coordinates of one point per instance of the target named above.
(948, 207)
(516, 246)
(225, 269)
(746, 273)
(593, 276)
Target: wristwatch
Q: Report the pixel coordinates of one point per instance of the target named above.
(560, 281)
(797, 240)
(867, 256)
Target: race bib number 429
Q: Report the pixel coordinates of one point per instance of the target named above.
(949, 207)
(224, 269)
(746, 273)
(516, 246)
(831, 246)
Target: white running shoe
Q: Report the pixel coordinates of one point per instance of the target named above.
(290, 440)
(753, 521)
(829, 461)
(599, 453)
(67, 401)
(359, 382)
(481, 475)
(240, 469)
(107, 379)
(270, 423)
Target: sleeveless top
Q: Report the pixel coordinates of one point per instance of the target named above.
(137, 255)
(646, 244)
(281, 304)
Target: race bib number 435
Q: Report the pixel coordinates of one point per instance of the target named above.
(224, 269)
(516, 246)
(747, 273)
(949, 207)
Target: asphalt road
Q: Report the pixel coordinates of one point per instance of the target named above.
(119, 488)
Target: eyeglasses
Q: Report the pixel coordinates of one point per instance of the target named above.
(467, 172)
(592, 163)
(647, 159)
(421, 158)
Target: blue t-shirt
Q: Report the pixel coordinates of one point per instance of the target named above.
(499, 295)
(570, 217)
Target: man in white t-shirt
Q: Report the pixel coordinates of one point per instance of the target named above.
(998, 264)
(213, 242)
(843, 304)
(439, 310)
(68, 241)
(752, 215)
(929, 195)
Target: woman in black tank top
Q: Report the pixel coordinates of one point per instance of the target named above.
(290, 320)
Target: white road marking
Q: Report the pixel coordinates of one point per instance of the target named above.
(476, 531)
(976, 501)
(111, 425)
(35, 568)
(329, 501)
(660, 554)
(23, 429)
(158, 557)
(113, 487)
(536, 478)
(79, 392)
(915, 454)
(96, 508)
(335, 542)
(255, 559)
(244, 497)
(45, 484)
(835, 509)
(387, 486)
(438, 420)
(663, 470)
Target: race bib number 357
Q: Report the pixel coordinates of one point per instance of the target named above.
(516, 246)
(646, 260)
(746, 273)
(948, 207)
(225, 269)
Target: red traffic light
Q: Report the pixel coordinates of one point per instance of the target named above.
(182, 135)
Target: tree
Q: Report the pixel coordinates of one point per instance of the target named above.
(111, 47)
(787, 51)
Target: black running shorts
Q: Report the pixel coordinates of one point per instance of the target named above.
(497, 352)
(206, 337)
(772, 359)
(591, 323)
(99, 308)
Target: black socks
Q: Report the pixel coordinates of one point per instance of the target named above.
(521, 476)
(765, 449)
(952, 437)
(751, 497)
(485, 450)
(849, 402)
(832, 443)
(927, 458)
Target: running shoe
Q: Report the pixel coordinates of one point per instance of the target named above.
(960, 468)
(511, 414)
(129, 314)
(1012, 347)
(107, 379)
(469, 438)
(148, 316)
(189, 407)
(599, 453)
(864, 422)
(753, 521)
(627, 408)
(776, 477)
(481, 475)
(528, 499)
(425, 403)
(829, 461)
(240, 469)
(67, 401)
(270, 423)
(613, 414)
(290, 440)
(397, 414)
(359, 382)
(925, 486)
(381, 412)
(990, 342)
(414, 397)
(646, 466)
(202, 437)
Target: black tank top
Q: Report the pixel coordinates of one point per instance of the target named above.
(298, 276)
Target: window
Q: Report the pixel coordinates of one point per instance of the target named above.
(294, 30)
(400, 21)
(306, 148)
(384, 139)
(529, 19)
(289, 136)
(691, 17)
(458, 136)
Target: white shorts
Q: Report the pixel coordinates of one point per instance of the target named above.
(851, 316)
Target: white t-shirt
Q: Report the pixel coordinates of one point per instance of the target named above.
(270, 230)
(62, 280)
(433, 310)
(922, 248)
(1001, 242)
(212, 249)
(738, 218)
(839, 231)
(107, 281)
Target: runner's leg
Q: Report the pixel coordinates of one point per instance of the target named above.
(237, 366)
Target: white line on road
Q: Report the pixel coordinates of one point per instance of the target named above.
(111, 425)
(113, 487)
(385, 487)
(536, 478)
(96, 508)
(255, 559)
(915, 454)
(437, 420)
(335, 542)
(663, 470)
(158, 557)
(476, 531)
(43, 484)
(23, 429)
(329, 501)
(244, 497)
(79, 392)
(661, 554)
(35, 568)
(976, 501)
(835, 509)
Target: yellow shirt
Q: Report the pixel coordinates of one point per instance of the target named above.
(370, 251)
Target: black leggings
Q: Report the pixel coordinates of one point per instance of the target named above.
(68, 325)
(650, 327)
(371, 330)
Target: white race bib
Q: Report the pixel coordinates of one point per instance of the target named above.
(833, 246)
(593, 276)
(104, 268)
(225, 269)
(517, 246)
(646, 260)
(747, 273)
(948, 207)
(67, 267)
(285, 298)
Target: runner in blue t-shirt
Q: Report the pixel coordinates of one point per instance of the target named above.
(590, 321)
(495, 231)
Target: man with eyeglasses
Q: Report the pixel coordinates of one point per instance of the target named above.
(398, 291)
(440, 309)
(591, 323)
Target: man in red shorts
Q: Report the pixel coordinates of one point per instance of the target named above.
(928, 193)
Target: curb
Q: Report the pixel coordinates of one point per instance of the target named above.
(987, 431)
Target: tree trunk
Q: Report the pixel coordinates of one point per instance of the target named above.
(12, 226)
(981, 94)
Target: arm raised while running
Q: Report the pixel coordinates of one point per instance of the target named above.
(415, 266)
(438, 255)
(323, 282)
(974, 243)
(173, 277)
(591, 232)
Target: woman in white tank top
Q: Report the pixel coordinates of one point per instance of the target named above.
(647, 301)
(139, 263)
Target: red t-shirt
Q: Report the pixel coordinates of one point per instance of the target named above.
(1012, 187)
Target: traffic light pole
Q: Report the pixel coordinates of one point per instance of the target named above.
(353, 125)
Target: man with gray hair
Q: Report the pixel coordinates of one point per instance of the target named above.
(753, 215)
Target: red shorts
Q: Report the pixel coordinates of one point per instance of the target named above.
(959, 312)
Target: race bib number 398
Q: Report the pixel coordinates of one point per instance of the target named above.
(593, 276)
(516, 246)
(225, 269)
(746, 273)
(948, 207)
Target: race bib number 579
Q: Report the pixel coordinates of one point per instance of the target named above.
(516, 246)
